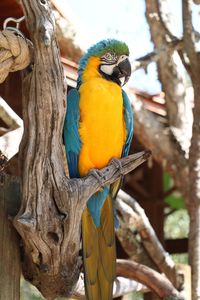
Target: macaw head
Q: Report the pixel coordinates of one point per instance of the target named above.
(108, 59)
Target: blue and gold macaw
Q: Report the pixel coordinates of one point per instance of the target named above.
(99, 127)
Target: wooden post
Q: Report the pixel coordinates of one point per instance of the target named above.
(10, 267)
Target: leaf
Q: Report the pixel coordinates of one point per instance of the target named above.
(175, 202)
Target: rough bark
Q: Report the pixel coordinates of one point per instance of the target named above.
(10, 265)
(133, 214)
(186, 172)
(194, 154)
(155, 136)
(50, 215)
(173, 80)
(129, 236)
(154, 280)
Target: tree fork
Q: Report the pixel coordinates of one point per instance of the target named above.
(50, 215)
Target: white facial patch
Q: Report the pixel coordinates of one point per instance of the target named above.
(122, 80)
(107, 69)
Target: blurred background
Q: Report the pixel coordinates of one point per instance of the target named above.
(161, 83)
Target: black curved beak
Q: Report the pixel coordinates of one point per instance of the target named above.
(121, 72)
(125, 69)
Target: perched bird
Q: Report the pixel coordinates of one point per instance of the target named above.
(99, 127)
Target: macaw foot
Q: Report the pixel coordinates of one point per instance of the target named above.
(98, 175)
(117, 163)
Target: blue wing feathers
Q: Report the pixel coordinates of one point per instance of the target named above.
(128, 116)
(95, 204)
(71, 134)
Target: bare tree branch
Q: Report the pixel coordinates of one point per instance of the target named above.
(110, 174)
(189, 34)
(159, 284)
(173, 80)
(127, 234)
(165, 21)
(121, 287)
(9, 142)
(194, 154)
(167, 49)
(154, 56)
(164, 17)
(134, 214)
(130, 273)
(8, 115)
(157, 138)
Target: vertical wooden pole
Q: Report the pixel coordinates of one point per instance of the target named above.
(10, 269)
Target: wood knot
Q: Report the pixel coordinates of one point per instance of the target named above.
(53, 236)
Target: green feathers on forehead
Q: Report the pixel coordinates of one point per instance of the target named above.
(105, 46)
(111, 46)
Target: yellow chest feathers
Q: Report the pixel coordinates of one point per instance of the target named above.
(102, 128)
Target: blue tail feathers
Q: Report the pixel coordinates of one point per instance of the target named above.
(95, 204)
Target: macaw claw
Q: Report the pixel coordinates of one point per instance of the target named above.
(117, 163)
(99, 176)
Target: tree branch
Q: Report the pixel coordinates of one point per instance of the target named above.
(132, 213)
(155, 55)
(128, 233)
(194, 154)
(189, 34)
(159, 284)
(129, 274)
(173, 80)
(121, 287)
(110, 174)
(164, 18)
(157, 138)
(9, 142)
(10, 118)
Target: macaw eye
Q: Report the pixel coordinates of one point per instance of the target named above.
(108, 56)
(111, 57)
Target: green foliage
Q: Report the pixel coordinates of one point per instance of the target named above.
(180, 258)
(134, 296)
(174, 200)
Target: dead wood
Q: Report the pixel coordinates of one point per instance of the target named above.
(161, 286)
